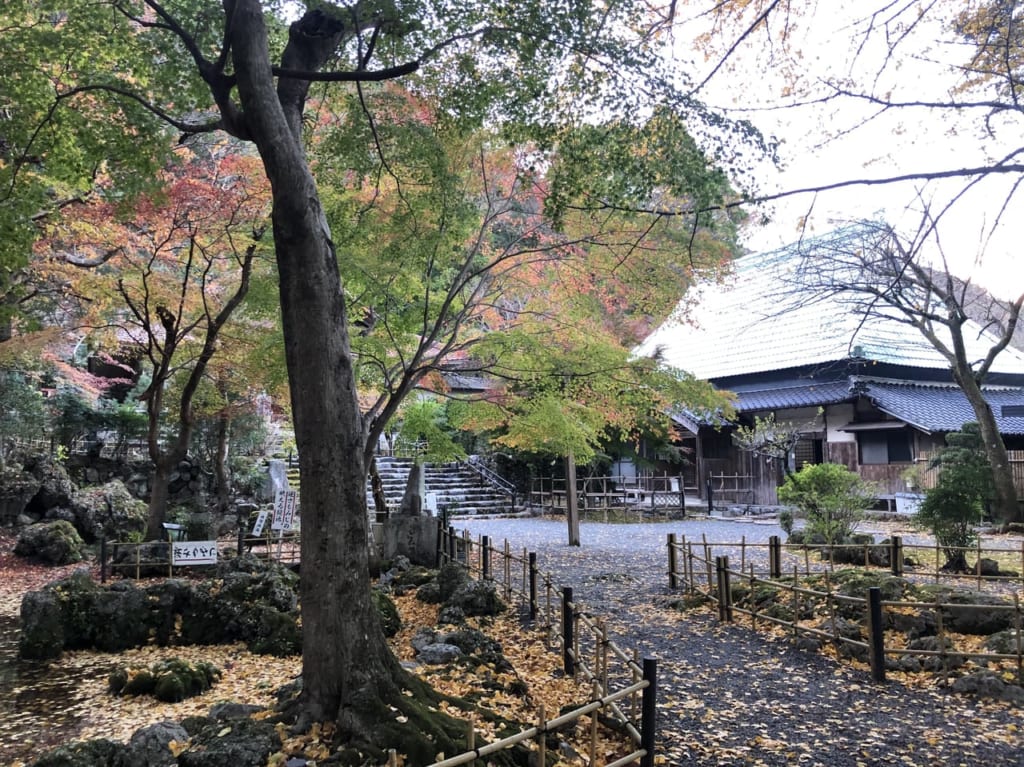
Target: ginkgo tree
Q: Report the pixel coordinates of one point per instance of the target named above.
(163, 279)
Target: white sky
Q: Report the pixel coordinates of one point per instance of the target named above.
(823, 144)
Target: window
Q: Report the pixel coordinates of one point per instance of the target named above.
(808, 450)
(890, 446)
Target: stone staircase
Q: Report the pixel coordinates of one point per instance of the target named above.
(460, 490)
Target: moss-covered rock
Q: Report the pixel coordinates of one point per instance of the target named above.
(53, 543)
(390, 620)
(170, 680)
(109, 511)
(89, 753)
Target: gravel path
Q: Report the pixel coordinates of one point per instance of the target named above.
(730, 696)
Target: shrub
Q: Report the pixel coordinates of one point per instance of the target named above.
(831, 497)
(950, 510)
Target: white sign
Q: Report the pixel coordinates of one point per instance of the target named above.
(194, 553)
(430, 502)
(284, 509)
(261, 522)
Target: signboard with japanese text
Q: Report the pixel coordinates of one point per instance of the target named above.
(284, 509)
(261, 522)
(194, 553)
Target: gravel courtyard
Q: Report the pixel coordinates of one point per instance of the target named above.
(729, 696)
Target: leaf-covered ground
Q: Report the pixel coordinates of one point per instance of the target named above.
(732, 696)
(44, 705)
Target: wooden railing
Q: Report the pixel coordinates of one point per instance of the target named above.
(700, 569)
(586, 650)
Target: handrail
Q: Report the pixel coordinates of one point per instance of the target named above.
(474, 462)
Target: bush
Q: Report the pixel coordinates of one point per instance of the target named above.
(831, 497)
(950, 510)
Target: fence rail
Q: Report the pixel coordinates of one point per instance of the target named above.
(697, 568)
(132, 558)
(586, 650)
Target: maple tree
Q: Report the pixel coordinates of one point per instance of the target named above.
(163, 279)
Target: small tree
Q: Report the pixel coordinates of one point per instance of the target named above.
(771, 439)
(831, 497)
(951, 509)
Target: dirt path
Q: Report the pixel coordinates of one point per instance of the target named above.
(728, 696)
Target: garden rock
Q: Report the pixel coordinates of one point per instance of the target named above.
(121, 617)
(438, 654)
(53, 543)
(109, 511)
(966, 613)
(149, 747)
(1005, 642)
(17, 488)
(88, 753)
(247, 744)
(950, 660)
(450, 579)
(42, 630)
(988, 684)
(453, 615)
(55, 486)
(477, 598)
(987, 568)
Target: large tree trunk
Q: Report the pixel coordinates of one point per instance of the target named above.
(346, 665)
(159, 494)
(1005, 506)
(220, 463)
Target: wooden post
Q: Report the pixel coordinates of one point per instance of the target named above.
(568, 624)
(774, 557)
(673, 578)
(876, 629)
(649, 712)
(896, 555)
(533, 585)
(485, 557)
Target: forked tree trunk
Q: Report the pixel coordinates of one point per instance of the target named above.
(347, 668)
(220, 463)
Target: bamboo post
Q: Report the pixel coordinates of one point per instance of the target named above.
(743, 553)
(593, 724)
(940, 632)
(103, 559)
(796, 605)
(673, 578)
(508, 572)
(392, 758)
(753, 600)
(138, 561)
(485, 558)
(977, 563)
(533, 585)
(877, 633)
(542, 736)
(774, 557)
(649, 713)
(896, 555)
(568, 663)
(938, 563)
(1017, 627)
(471, 739)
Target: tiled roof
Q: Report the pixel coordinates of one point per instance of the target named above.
(941, 408)
(791, 395)
(758, 321)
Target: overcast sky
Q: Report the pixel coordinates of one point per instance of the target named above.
(828, 143)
